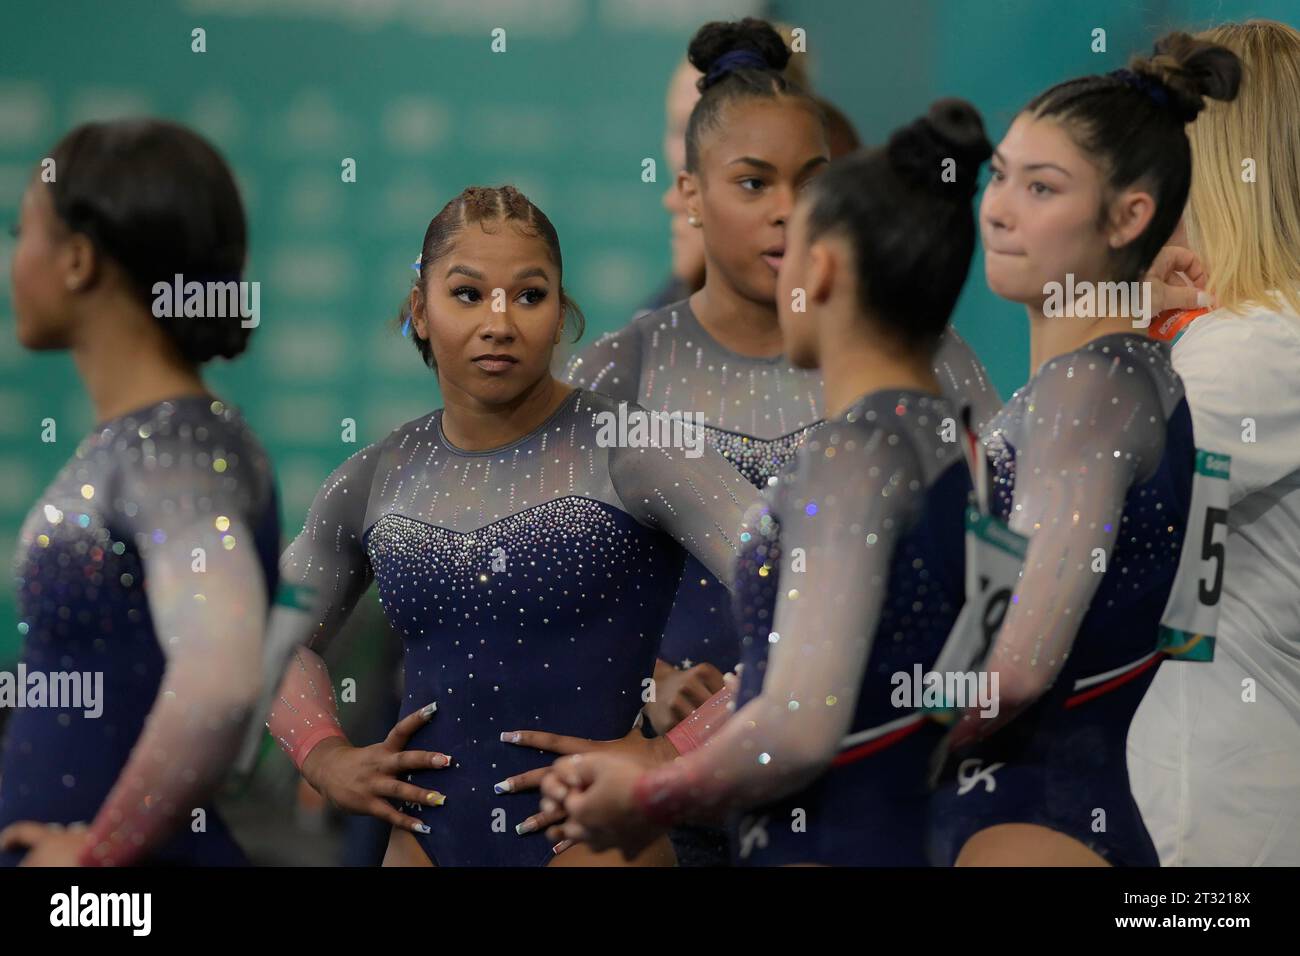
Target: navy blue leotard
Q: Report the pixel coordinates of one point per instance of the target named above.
(104, 563)
(1096, 451)
(756, 411)
(530, 585)
(883, 495)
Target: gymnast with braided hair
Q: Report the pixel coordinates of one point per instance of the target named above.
(525, 551)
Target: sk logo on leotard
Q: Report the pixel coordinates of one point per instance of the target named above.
(969, 774)
(753, 833)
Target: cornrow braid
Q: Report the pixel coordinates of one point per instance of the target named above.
(484, 204)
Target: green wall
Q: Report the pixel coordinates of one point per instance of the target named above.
(411, 90)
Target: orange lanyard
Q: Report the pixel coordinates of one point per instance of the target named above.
(1169, 325)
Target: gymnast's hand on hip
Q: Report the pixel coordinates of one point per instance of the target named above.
(365, 779)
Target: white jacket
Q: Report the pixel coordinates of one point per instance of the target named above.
(1217, 775)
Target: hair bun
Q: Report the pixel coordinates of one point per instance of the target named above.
(1191, 70)
(715, 40)
(951, 130)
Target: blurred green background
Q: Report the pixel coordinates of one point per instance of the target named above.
(411, 90)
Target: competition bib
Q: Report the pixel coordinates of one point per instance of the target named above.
(994, 557)
(1191, 617)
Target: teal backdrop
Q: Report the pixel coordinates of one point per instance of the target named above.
(413, 92)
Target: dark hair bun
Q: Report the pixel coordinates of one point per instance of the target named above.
(713, 40)
(1191, 70)
(951, 130)
(159, 200)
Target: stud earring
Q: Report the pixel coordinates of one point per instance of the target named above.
(694, 221)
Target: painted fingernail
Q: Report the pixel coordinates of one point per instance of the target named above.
(528, 826)
(505, 786)
(510, 736)
(434, 799)
(428, 710)
(441, 760)
(1203, 299)
(561, 846)
(421, 828)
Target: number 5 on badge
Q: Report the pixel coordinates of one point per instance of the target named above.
(1191, 618)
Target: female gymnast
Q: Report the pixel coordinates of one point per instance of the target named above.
(755, 140)
(1094, 460)
(851, 570)
(144, 569)
(526, 552)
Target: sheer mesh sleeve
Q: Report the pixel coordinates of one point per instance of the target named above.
(323, 574)
(846, 513)
(208, 609)
(611, 365)
(703, 722)
(700, 501)
(963, 379)
(1094, 426)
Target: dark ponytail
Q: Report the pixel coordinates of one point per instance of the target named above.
(950, 130)
(1132, 122)
(906, 209)
(740, 60)
(158, 200)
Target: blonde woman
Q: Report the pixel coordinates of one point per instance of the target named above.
(1214, 750)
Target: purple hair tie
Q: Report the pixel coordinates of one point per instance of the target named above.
(735, 60)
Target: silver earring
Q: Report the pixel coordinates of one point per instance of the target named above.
(693, 220)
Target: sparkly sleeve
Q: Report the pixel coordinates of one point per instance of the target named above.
(693, 730)
(611, 365)
(691, 492)
(323, 574)
(1095, 426)
(844, 513)
(963, 379)
(207, 601)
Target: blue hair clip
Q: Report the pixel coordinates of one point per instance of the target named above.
(416, 266)
(406, 325)
(1154, 89)
(735, 60)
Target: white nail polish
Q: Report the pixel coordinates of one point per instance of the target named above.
(509, 738)
(429, 710)
(503, 787)
(421, 828)
(528, 826)
(1203, 300)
